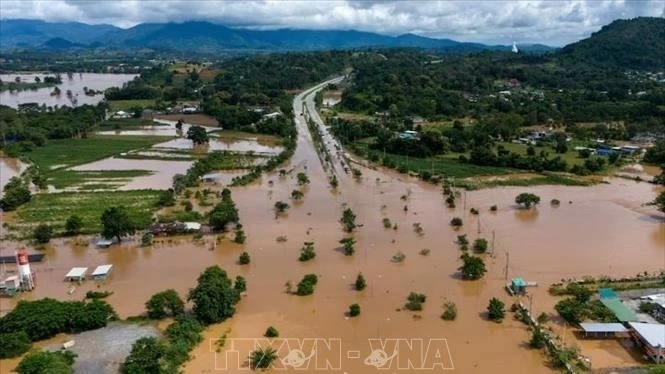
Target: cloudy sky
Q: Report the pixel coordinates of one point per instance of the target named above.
(553, 22)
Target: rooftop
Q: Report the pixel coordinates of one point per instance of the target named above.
(622, 313)
(76, 273)
(102, 270)
(603, 327)
(652, 333)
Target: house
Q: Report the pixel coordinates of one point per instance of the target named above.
(189, 110)
(409, 135)
(604, 151)
(272, 115)
(77, 274)
(630, 149)
(121, 114)
(651, 337)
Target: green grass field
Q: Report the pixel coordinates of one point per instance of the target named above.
(126, 124)
(571, 157)
(58, 154)
(66, 178)
(125, 105)
(54, 209)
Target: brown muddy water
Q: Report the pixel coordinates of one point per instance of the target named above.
(221, 144)
(162, 127)
(603, 229)
(97, 82)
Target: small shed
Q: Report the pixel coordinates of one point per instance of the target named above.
(603, 330)
(192, 226)
(101, 272)
(518, 285)
(76, 274)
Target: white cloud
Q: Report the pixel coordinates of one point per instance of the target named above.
(549, 22)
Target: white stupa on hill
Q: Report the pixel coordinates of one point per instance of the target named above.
(515, 50)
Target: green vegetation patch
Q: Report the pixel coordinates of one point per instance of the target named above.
(54, 209)
(126, 105)
(66, 178)
(58, 154)
(127, 124)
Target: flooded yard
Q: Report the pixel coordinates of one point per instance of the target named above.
(75, 84)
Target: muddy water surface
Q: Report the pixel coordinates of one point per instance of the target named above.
(218, 144)
(161, 178)
(10, 167)
(596, 230)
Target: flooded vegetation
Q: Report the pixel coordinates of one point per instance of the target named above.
(75, 89)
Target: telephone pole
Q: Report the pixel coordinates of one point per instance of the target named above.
(507, 261)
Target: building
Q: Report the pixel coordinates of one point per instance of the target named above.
(77, 274)
(603, 330)
(611, 300)
(651, 337)
(101, 272)
(409, 135)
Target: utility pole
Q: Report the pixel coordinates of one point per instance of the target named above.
(507, 261)
(479, 225)
(492, 250)
(530, 296)
(465, 201)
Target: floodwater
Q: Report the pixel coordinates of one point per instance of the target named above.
(94, 81)
(10, 167)
(161, 178)
(222, 144)
(603, 229)
(161, 128)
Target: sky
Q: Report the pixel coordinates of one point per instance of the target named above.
(552, 22)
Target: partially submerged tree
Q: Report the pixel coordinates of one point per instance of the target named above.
(271, 332)
(348, 220)
(198, 135)
(354, 310)
(472, 267)
(42, 233)
(307, 252)
(281, 207)
(414, 302)
(165, 303)
(214, 296)
(73, 225)
(302, 178)
(495, 310)
(306, 285)
(456, 222)
(297, 195)
(527, 199)
(360, 283)
(244, 258)
(262, 358)
(480, 245)
(348, 245)
(449, 311)
(116, 223)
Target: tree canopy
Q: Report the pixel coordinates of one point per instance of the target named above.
(214, 296)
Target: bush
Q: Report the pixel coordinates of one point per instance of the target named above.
(415, 301)
(480, 245)
(360, 282)
(493, 208)
(244, 258)
(449, 311)
(555, 202)
(354, 310)
(496, 310)
(386, 223)
(165, 303)
(44, 362)
(456, 222)
(527, 199)
(307, 252)
(474, 211)
(271, 332)
(42, 233)
(73, 225)
(240, 237)
(306, 285)
(463, 242)
(14, 344)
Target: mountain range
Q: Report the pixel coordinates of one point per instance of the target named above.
(209, 37)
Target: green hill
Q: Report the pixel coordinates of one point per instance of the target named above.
(637, 43)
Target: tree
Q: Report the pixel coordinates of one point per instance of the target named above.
(527, 199)
(480, 245)
(538, 338)
(244, 258)
(360, 282)
(303, 179)
(348, 245)
(354, 310)
(148, 355)
(198, 135)
(14, 344)
(42, 233)
(449, 311)
(271, 332)
(165, 303)
(223, 213)
(456, 222)
(262, 358)
(463, 242)
(306, 285)
(240, 237)
(73, 225)
(240, 284)
(41, 362)
(281, 207)
(473, 267)
(214, 297)
(415, 301)
(297, 195)
(16, 193)
(307, 252)
(496, 310)
(333, 181)
(179, 183)
(116, 223)
(348, 220)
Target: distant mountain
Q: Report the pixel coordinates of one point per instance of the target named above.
(637, 43)
(209, 37)
(32, 33)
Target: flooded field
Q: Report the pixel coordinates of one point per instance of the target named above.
(10, 167)
(161, 177)
(93, 81)
(603, 229)
(222, 144)
(161, 127)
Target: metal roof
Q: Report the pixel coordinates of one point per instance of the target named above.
(607, 293)
(102, 270)
(622, 313)
(652, 333)
(76, 273)
(603, 327)
(519, 282)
